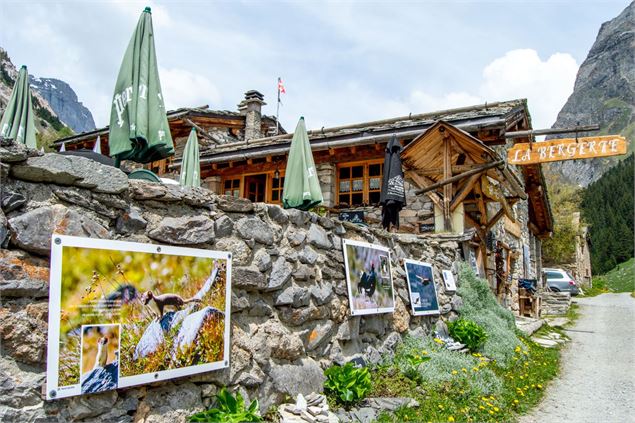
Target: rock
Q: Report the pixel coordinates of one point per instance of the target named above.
(308, 255)
(349, 330)
(256, 229)
(248, 278)
(318, 237)
(390, 343)
(401, 317)
(22, 275)
(13, 153)
(373, 324)
(280, 274)
(101, 378)
(260, 309)
(297, 317)
(441, 330)
(372, 355)
(232, 204)
(303, 272)
(72, 170)
(296, 237)
(321, 293)
(23, 336)
(277, 213)
(456, 303)
(285, 297)
(558, 322)
(446, 308)
(239, 301)
(304, 377)
(363, 415)
(183, 230)
(319, 334)
(12, 201)
(224, 226)
(4, 229)
(298, 217)
(241, 253)
(18, 388)
(145, 190)
(86, 407)
(262, 259)
(130, 221)
(390, 403)
(547, 343)
(83, 198)
(170, 403)
(32, 230)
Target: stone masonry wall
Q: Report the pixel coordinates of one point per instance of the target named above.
(290, 314)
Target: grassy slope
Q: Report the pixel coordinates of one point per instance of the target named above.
(620, 279)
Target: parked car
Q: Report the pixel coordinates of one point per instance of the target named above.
(559, 280)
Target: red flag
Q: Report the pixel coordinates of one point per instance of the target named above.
(281, 87)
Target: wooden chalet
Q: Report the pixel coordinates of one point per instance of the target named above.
(457, 179)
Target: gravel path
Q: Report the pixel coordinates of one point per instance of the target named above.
(597, 380)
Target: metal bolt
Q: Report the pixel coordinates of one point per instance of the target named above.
(58, 241)
(158, 249)
(53, 393)
(226, 363)
(156, 375)
(229, 256)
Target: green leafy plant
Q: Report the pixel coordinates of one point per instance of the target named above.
(468, 332)
(348, 384)
(412, 362)
(229, 409)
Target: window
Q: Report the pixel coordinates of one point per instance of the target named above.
(232, 187)
(359, 183)
(554, 275)
(277, 184)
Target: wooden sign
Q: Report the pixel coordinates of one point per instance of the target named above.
(567, 149)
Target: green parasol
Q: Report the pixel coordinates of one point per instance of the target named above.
(139, 129)
(301, 185)
(17, 121)
(191, 165)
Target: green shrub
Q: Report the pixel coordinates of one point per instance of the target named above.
(448, 367)
(467, 332)
(347, 383)
(229, 409)
(480, 305)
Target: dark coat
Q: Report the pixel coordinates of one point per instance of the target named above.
(393, 194)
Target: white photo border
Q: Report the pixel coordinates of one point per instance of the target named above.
(436, 294)
(58, 242)
(354, 312)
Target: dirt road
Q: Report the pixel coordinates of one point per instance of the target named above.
(597, 383)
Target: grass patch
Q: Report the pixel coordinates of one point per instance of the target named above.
(505, 380)
(620, 279)
(485, 392)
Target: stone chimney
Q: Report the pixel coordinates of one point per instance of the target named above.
(251, 107)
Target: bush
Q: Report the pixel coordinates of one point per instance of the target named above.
(448, 367)
(347, 383)
(230, 410)
(467, 332)
(480, 305)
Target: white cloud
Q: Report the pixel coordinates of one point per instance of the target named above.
(522, 74)
(182, 88)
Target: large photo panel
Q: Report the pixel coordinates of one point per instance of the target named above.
(125, 313)
(369, 278)
(423, 293)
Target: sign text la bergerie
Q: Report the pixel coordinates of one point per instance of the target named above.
(567, 149)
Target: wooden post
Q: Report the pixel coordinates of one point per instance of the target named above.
(447, 188)
(476, 170)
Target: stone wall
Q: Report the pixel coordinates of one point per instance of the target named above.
(290, 314)
(554, 303)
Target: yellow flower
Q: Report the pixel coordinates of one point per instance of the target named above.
(489, 404)
(533, 386)
(424, 352)
(517, 348)
(450, 419)
(440, 407)
(464, 369)
(516, 401)
(454, 372)
(492, 397)
(491, 412)
(481, 407)
(539, 386)
(438, 341)
(475, 369)
(497, 409)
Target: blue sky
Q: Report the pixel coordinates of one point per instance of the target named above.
(341, 62)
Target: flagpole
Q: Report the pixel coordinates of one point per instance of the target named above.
(278, 108)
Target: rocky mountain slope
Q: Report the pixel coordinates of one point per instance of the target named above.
(64, 102)
(58, 112)
(604, 93)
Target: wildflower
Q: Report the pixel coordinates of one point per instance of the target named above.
(480, 407)
(517, 348)
(516, 401)
(440, 407)
(424, 352)
(483, 399)
(489, 404)
(450, 419)
(475, 369)
(438, 341)
(464, 369)
(522, 377)
(491, 412)
(492, 397)
(454, 372)
(539, 386)
(533, 386)
(497, 409)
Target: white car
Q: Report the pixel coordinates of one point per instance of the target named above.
(559, 280)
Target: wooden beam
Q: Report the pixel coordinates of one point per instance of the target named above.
(447, 187)
(456, 169)
(482, 208)
(474, 171)
(495, 219)
(464, 191)
(202, 131)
